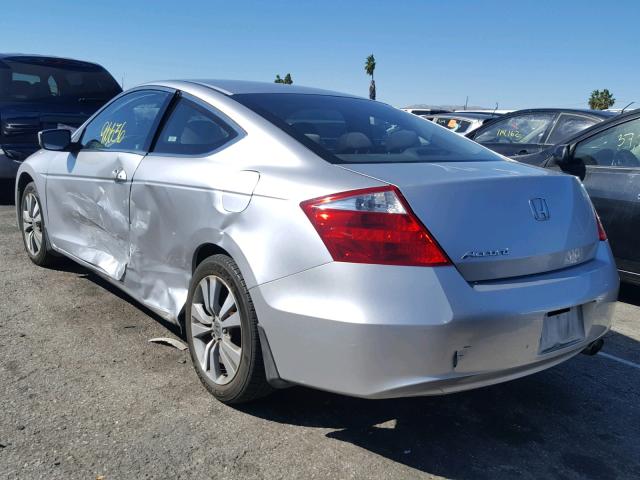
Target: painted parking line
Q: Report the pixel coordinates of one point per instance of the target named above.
(620, 360)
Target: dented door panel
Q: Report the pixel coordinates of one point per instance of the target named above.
(171, 215)
(89, 207)
(88, 194)
(179, 203)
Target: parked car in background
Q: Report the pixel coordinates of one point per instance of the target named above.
(463, 123)
(38, 93)
(499, 111)
(382, 256)
(607, 159)
(524, 132)
(427, 113)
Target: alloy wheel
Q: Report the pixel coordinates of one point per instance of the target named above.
(32, 223)
(216, 329)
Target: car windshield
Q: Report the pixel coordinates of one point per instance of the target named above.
(41, 79)
(353, 130)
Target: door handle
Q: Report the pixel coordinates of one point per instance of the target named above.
(119, 175)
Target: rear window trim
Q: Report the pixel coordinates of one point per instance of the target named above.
(313, 146)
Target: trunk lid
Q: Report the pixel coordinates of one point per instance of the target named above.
(497, 219)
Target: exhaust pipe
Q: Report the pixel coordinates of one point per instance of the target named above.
(594, 347)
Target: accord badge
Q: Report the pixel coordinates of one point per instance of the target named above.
(485, 253)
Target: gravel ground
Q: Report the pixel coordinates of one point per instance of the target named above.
(84, 395)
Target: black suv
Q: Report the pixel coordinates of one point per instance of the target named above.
(37, 93)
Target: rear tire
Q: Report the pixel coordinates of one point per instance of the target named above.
(222, 333)
(32, 226)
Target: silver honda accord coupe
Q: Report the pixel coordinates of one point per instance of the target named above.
(302, 236)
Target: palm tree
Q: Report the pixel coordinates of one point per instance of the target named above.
(601, 100)
(369, 67)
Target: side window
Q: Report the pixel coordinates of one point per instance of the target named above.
(192, 130)
(25, 86)
(53, 86)
(567, 125)
(618, 146)
(126, 124)
(529, 128)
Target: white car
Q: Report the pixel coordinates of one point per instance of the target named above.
(427, 113)
(463, 123)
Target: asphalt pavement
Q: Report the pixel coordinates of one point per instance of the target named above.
(83, 394)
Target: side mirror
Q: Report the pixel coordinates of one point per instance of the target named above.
(57, 140)
(561, 155)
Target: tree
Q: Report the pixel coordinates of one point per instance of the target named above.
(286, 80)
(601, 100)
(369, 67)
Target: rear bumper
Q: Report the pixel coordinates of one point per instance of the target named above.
(8, 167)
(379, 331)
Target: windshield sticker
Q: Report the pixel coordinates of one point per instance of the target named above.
(509, 133)
(112, 133)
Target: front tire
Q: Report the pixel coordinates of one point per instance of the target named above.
(222, 332)
(32, 226)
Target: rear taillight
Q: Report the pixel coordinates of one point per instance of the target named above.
(373, 225)
(602, 235)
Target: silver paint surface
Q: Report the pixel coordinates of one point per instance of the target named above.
(364, 330)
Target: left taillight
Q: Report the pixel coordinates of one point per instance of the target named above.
(373, 225)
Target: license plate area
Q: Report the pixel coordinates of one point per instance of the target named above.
(561, 328)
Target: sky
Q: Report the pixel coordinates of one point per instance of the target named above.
(517, 54)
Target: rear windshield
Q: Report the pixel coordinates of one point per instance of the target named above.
(353, 130)
(52, 79)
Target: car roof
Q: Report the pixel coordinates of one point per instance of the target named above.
(239, 87)
(44, 58)
(499, 111)
(586, 111)
(430, 111)
(470, 116)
